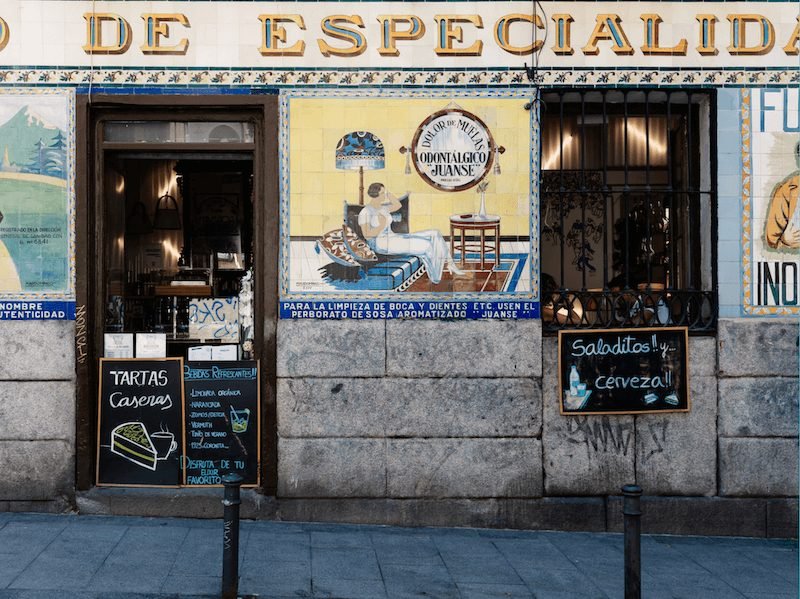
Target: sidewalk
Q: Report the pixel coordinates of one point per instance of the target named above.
(97, 557)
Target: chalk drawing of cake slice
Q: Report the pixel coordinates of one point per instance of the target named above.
(131, 441)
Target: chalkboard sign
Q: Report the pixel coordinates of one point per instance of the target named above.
(140, 422)
(623, 371)
(222, 422)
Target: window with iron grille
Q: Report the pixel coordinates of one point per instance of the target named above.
(628, 209)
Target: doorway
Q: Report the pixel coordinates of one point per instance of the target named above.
(176, 207)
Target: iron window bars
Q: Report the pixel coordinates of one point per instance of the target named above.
(628, 209)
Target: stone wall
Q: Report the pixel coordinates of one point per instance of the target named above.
(441, 418)
(37, 415)
(430, 422)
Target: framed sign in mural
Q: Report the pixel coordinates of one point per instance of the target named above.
(37, 204)
(770, 124)
(453, 149)
(366, 235)
(623, 371)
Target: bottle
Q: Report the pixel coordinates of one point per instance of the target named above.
(574, 379)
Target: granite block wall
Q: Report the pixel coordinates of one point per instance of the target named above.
(37, 415)
(434, 422)
(424, 411)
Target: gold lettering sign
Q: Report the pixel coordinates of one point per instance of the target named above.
(155, 26)
(273, 35)
(502, 30)
(414, 29)
(335, 27)
(707, 30)
(791, 46)
(447, 34)
(608, 27)
(739, 32)
(94, 33)
(563, 32)
(651, 38)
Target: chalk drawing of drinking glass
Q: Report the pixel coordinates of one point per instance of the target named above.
(240, 419)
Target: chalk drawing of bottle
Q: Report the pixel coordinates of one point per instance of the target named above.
(574, 380)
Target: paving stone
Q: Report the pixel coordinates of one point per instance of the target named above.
(314, 348)
(181, 584)
(49, 571)
(464, 348)
(676, 453)
(407, 581)
(276, 578)
(268, 547)
(493, 591)
(570, 579)
(520, 553)
(758, 467)
(757, 347)
(352, 589)
(409, 407)
(344, 564)
(405, 549)
(37, 350)
(200, 553)
(264, 587)
(331, 467)
(464, 468)
(758, 407)
(355, 539)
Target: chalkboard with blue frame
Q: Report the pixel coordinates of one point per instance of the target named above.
(623, 371)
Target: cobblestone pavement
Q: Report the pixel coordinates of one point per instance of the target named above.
(99, 557)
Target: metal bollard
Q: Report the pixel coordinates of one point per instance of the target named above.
(230, 536)
(632, 513)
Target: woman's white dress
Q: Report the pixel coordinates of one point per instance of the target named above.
(429, 245)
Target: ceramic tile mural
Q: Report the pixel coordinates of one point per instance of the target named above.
(415, 205)
(770, 127)
(36, 204)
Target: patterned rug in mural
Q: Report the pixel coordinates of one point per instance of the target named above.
(407, 273)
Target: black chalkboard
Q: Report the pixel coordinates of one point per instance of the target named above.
(222, 422)
(140, 422)
(623, 371)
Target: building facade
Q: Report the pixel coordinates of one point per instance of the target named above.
(432, 263)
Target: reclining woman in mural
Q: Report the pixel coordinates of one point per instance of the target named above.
(375, 220)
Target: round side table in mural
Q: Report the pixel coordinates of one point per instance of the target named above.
(471, 230)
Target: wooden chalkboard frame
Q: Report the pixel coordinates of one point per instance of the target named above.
(184, 457)
(639, 330)
(99, 420)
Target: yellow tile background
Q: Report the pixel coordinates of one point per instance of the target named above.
(318, 190)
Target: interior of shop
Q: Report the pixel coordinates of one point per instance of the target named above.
(179, 231)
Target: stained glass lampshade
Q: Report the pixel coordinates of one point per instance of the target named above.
(360, 150)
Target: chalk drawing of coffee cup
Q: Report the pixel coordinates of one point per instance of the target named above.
(164, 444)
(240, 419)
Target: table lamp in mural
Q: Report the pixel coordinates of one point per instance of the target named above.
(360, 150)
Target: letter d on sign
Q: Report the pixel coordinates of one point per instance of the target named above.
(94, 33)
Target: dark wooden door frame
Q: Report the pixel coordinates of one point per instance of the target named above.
(263, 111)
